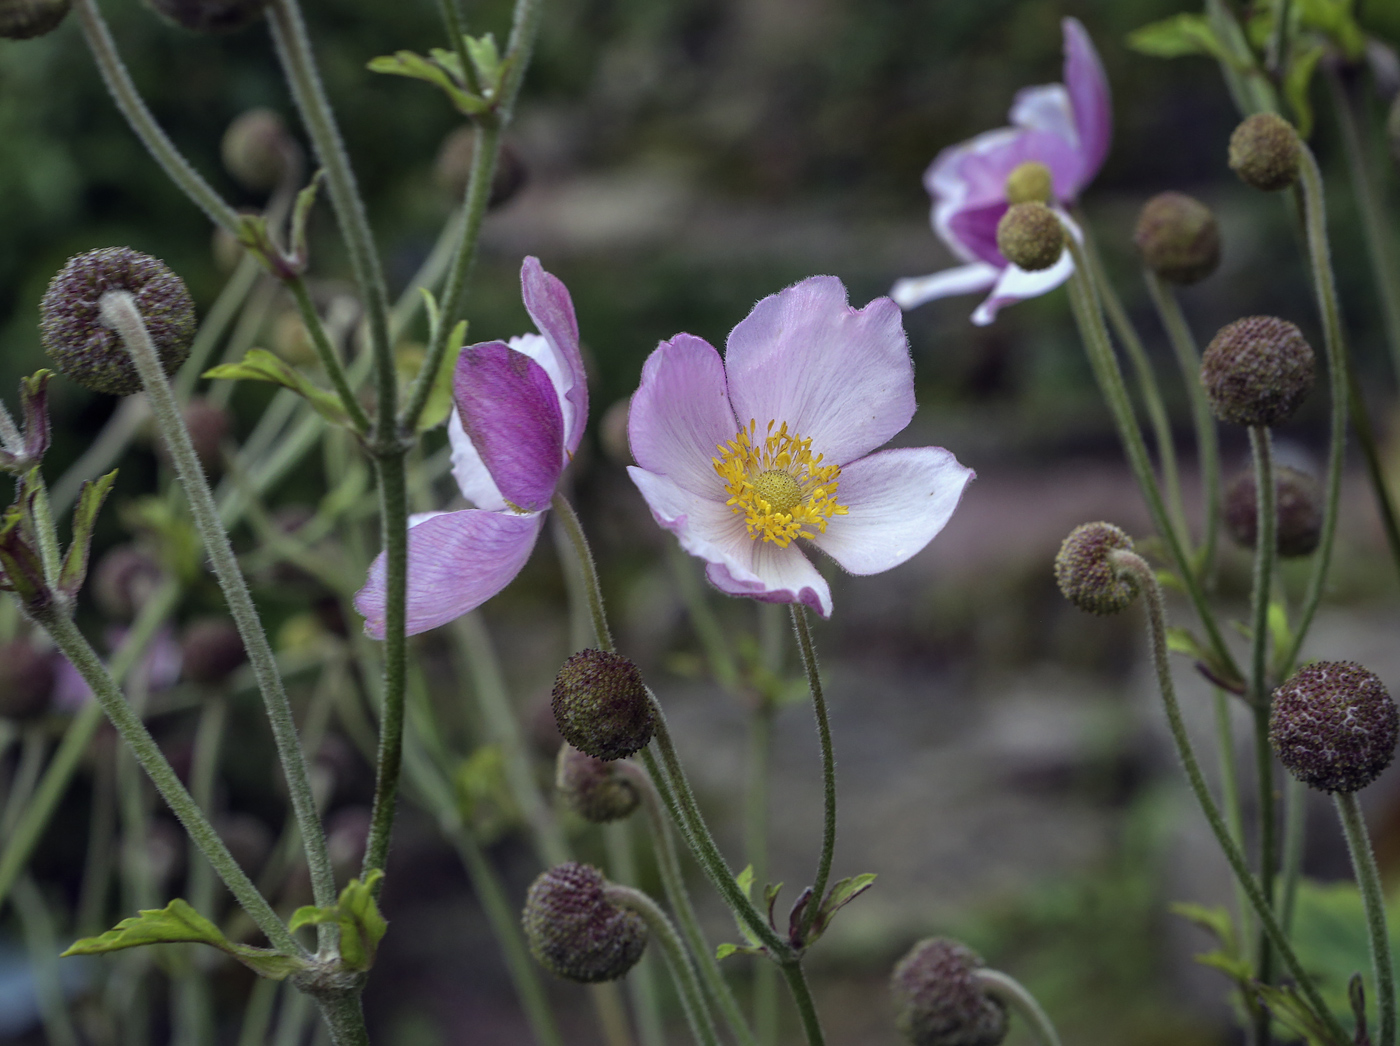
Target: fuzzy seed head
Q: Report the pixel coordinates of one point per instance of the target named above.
(26, 19)
(592, 788)
(1178, 238)
(1333, 725)
(575, 931)
(938, 1000)
(26, 680)
(1085, 574)
(87, 350)
(1265, 152)
(1257, 371)
(1030, 236)
(1299, 501)
(211, 16)
(256, 148)
(601, 705)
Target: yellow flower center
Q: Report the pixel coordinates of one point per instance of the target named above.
(775, 483)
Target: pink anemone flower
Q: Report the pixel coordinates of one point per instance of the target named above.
(742, 456)
(1066, 127)
(520, 412)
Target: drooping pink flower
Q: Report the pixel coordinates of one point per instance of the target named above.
(521, 409)
(1066, 127)
(741, 456)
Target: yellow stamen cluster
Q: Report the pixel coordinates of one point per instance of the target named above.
(775, 483)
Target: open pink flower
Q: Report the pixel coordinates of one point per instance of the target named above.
(1067, 128)
(739, 457)
(520, 412)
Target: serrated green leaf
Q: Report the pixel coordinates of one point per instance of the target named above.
(724, 951)
(1181, 640)
(744, 880)
(840, 895)
(75, 563)
(486, 58)
(261, 365)
(1178, 36)
(415, 66)
(178, 923)
(356, 913)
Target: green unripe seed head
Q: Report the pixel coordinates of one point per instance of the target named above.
(1334, 726)
(1030, 236)
(1257, 371)
(1265, 152)
(575, 931)
(1178, 238)
(592, 788)
(938, 1000)
(601, 705)
(1086, 576)
(1029, 182)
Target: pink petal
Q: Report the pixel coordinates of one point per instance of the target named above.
(510, 411)
(1017, 284)
(680, 414)
(456, 562)
(898, 501)
(1088, 92)
(913, 291)
(549, 305)
(1046, 108)
(738, 564)
(837, 375)
(473, 479)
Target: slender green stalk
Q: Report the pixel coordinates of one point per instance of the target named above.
(814, 683)
(31, 762)
(44, 528)
(702, 618)
(41, 941)
(1230, 792)
(1295, 823)
(1363, 863)
(765, 975)
(216, 322)
(325, 352)
(88, 918)
(1375, 466)
(569, 518)
(344, 1017)
(641, 980)
(1014, 994)
(802, 996)
(257, 1015)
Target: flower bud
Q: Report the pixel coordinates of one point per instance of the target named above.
(1265, 152)
(454, 167)
(1256, 371)
(211, 649)
(938, 1000)
(1178, 238)
(25, 19)
(87, 350)
(26, 680)
(1029, 182)
(1299, 503)
(1030, 236)
(123, 580)
(255, 149)
(1333, 725)
(592, 788)
(210, 16)
(575, 931)
(601, 705)
(1085, 574)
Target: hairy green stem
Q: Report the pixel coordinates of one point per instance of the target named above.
(1013, 993)
(574, 530)
(802, 996)
(325, 352)
(1363, 863)
(1295, 825)
(765, 975)
(641, 980)
(343, 1016)
(1230, 792)
(814, 683)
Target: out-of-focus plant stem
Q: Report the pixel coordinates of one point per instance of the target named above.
(814, 684)
(1014, 994)
(1368, 878)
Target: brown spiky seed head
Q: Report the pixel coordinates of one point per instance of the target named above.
(938, 1001)
(1257, 371)
(26, 679)
(1029, 182)
(1265, 152)
(575, 931)
(26, 19)
(211, 649)
(87, 350)
(1333, 725)
(1086, 576)
(211, 16)
(1030, 236)
(601, 705)
(592, 788)
(1178, 238)
(256, 148)
(1299, 501)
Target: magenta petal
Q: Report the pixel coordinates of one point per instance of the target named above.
(549, 305)
(680, 414)
(1088, 92)
(510, 411)
(456, 562)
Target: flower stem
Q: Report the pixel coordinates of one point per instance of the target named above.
(802, 996)
(1363, 862)
(814, 683)
(574, 530)
(1014, 994)
(1230, 792)
(1294, 829)
(641, 981)
(344, 1017)
(325, 352)
(765, 982)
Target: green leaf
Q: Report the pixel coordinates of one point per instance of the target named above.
(75, 564)
(415, 66)
(439, 402)
(486, 59)
(744, 880)
(1297, 83)
(1279, 630)
(724, 951)
(1170, 579)
(261, 365)
(1217, 920)
(1296, 1015)
(1178, 36)
(356, 913)
(301, 214)
(484, 798)
(1335, 19)
(840, 895)
(178, 923)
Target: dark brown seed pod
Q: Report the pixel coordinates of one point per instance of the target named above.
(1178, 238)
(26, 19)
(575, 931)
(1265, 152)
(592, 788)
(601, 705)
(1334, 726)
(938, 1001)
(1257, 371)
(1086, 576)
(1299, 501)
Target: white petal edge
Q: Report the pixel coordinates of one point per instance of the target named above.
(470, 472)
(1046, 108)
(1016, 284)
(539, 349)
(913, 291)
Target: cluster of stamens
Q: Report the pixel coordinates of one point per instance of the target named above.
(775, 483)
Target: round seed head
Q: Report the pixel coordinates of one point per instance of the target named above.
(938, 1000)
(1029, 182)
(26, 680)
(1333, 725)
(1299, 501)
(1257, 371)
(210, 16)
(575, 931)
(25, 19)
(601, 705)
(1085, 574)
(592, 788)
(1178, 238)
(1265, 152)
(256, 148)
(1030, 236)
(91, 353)
(211, 649)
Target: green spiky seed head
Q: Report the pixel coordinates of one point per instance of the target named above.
(1030, 236)
(1178, 238)
(1029, 182)
(1086, 576)
(1299, 501)
(1333, 725)
(1257, 371)
(938, 1001)
(575, 931)
(87, 350)
(210, 16)
(601, 705)
(26, 19)
(1265, 152)
(592, 788)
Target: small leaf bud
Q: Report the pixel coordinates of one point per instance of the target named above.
(26, 19)
(124, 579)
(1178, 238)
(938, 1000)
(1333, 725)
(1256, 371)
(601, 705)
(26, 680)
(1086, 576)
(1265, 152)
(210, 16)
(592, 788)
(1299, 501)
(211, 649)
(87, 350)
(256, 149)
(1029, 182)
(575, 931)
(1030, 236)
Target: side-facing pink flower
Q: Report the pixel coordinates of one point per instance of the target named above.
(520, 412)
(738, 457)
(1066, 127)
